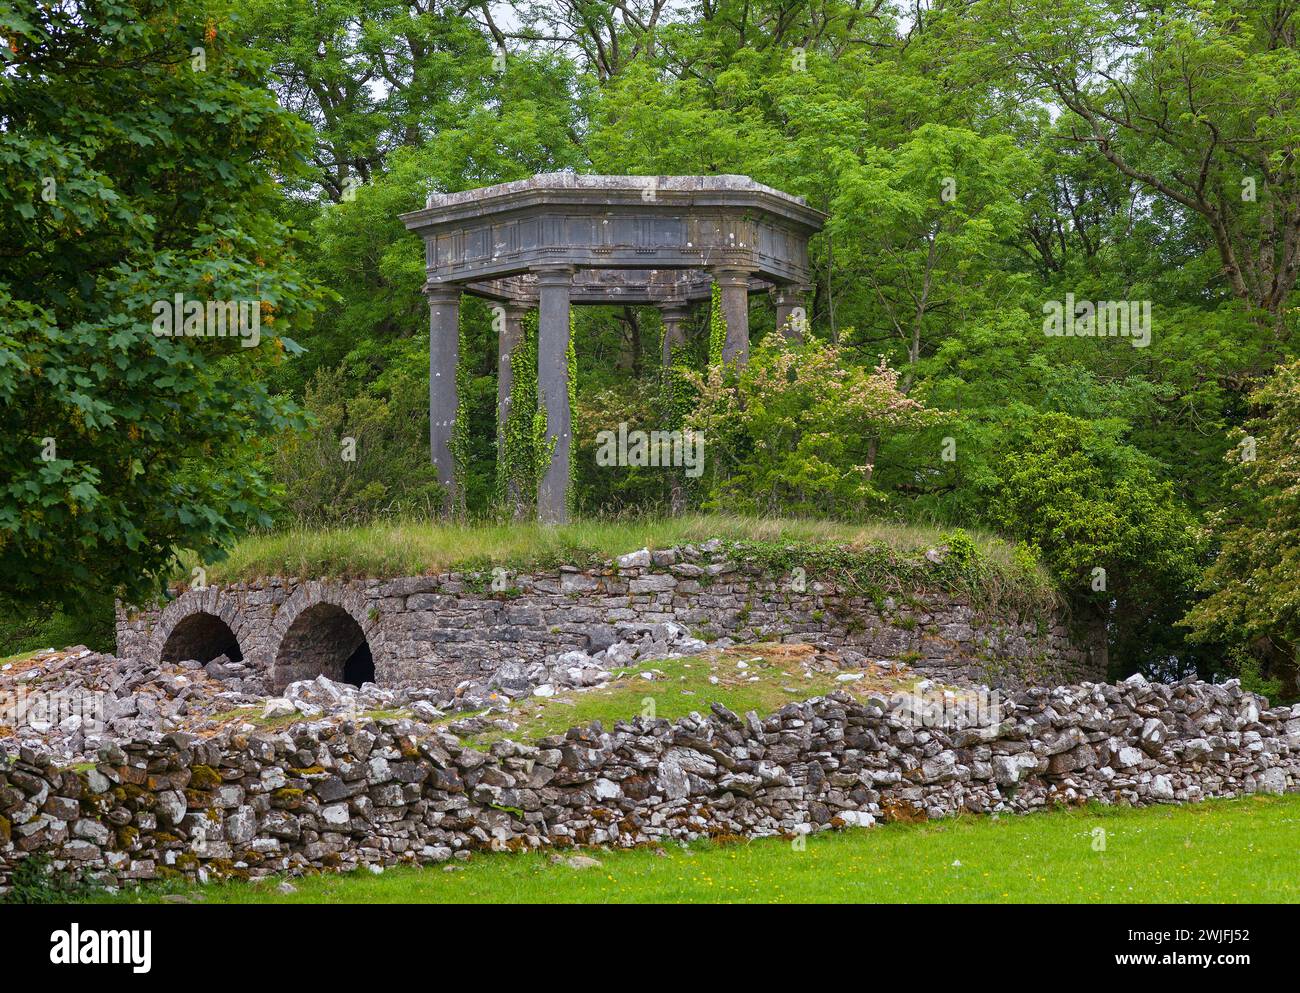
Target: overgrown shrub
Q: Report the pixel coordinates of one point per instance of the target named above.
(1119, 542)
(1250, 671)
(797, 430)
(363, 457)
(1251, 586)
(617, 490)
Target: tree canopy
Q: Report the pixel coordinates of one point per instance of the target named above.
(139, 151)
(984, 165)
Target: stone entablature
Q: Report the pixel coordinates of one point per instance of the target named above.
(635, 224)
(439, 630)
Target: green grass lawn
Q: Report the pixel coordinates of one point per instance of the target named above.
(1230, 851)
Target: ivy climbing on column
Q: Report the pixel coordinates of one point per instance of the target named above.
(717, 326)
(676, 399)
(520, 465)
(459, 443)
(571, 357)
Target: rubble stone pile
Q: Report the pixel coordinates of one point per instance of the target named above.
(336, 793)
(70, 703)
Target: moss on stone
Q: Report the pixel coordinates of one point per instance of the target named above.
(288, 798)
(226, 869)
(204, 777)
(94, 804)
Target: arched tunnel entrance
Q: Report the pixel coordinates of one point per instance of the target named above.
(324, 640)
(203, 637)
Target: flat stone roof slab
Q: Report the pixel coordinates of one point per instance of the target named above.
(637, 224)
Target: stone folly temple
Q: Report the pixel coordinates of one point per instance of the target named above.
(560, 239)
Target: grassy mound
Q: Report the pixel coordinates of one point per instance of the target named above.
(879, 559)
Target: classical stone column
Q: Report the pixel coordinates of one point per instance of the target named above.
(554, 284)
(444, 320)
(672, 314)
(734, 284)
(791, 312)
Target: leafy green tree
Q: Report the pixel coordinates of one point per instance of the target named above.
(609, 36)
(136, 153)
(931, 213)
(1197, 103)
(1107, 526)
(1253, 586)
(369, 76)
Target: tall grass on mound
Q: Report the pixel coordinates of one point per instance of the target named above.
(877, 559)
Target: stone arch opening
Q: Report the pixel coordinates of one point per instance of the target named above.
(203, 637)
(324, 640)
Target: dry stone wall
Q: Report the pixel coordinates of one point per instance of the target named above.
(436, 631)
(339, 794)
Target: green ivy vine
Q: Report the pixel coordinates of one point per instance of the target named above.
(518, 464)
(717, 326)
(459, 442)
(527, 449)
(571, 357)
